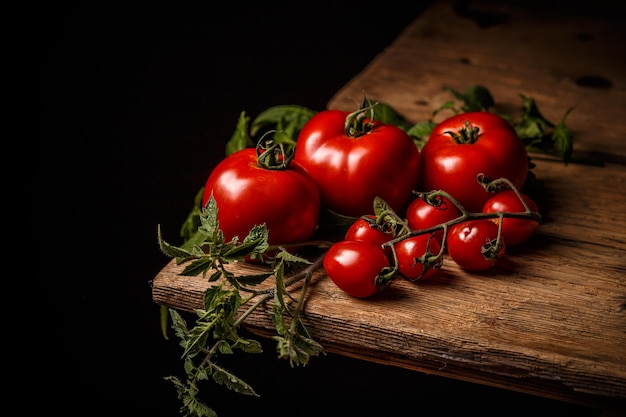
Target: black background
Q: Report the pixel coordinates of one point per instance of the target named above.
(133, 106)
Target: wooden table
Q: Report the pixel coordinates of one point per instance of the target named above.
(550, 318)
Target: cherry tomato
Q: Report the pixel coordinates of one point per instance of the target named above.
(366, 229)
(410, 250)
(471, 244)
(247, 194)
(514, 231)
(465, 145)
(353, 165)
(354, 266)
(422, 215)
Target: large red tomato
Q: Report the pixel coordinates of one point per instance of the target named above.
(247, 194)
(354, 160)
(465, 145)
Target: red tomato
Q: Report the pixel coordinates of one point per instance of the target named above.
(352, 169)
(246, 194)
(354, 266)
(468, 144)
(514, 231)
(409, 251)
(467, 242)
(367, 230)
(422, 215)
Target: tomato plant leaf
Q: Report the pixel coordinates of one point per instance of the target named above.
(384, 113)
(475, 98)
(197, 267)
(284, 122)
(228, 379)
(563, 139)
(419, 132)
(198, 335)
(191, 223)
(171, 250)
(248, 345)
(191, 406)
(209, 225)
(291, 258)
(532, 126)
(255, 279)
(241, 138)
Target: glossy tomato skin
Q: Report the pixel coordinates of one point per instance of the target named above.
(514, 231)
(369, 231)
(465, 241)
(452, 166)
(350, 172)
(353, 266)
(246, 194)
(408, 252)
(422, 215)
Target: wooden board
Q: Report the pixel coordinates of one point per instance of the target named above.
(550, 318)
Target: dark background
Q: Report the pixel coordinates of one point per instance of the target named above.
(133, 106)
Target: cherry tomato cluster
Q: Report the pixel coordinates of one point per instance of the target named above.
(378, 249)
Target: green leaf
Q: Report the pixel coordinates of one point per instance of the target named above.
(282, 115)
(179, 325)
(241, 138)
(240, 251)
(191, 406)
(384, 113)
(532, 125)
(198, 335)
(193, 243)
(420, 132)
(209, 224)
(170, 250)
(217, 298)
(332, 223)
(191, 223)
(563, 139)
(380, 206)
(198, 266)
(252, 280)
(222, 376)
(248, 345)
(475, 98)
(164, 315)
(291, 258)
(258, 239)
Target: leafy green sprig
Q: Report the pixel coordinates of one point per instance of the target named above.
(215, 329)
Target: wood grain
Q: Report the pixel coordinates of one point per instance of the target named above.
(550, 318)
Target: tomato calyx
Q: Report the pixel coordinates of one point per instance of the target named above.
(428, 260)
(468, 134)
(360, 122)
(492, 249)
(385, 277)
(272, 155)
